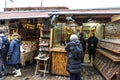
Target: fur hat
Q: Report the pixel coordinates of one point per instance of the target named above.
(73, 36)
(15, 35)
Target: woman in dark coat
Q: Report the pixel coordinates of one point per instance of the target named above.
(73, 62)
(14, 54)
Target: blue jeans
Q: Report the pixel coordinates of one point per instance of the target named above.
(1, 63)
(75, 76)
(3, 66)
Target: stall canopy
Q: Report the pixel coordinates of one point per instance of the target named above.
(19, 15)
(82, 15)
(87, 12)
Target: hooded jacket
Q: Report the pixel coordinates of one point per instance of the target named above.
(6, 47)
(73, 65)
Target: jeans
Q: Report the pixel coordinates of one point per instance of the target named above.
(16, 66)
(1, 64)
(75, 76)
(5, 68)
(92, 54)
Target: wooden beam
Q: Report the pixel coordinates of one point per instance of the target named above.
(115, 18)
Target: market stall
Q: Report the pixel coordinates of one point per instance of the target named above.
(107, 56)
(61, 33)
(30, 33)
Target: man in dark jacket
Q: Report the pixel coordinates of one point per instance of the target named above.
(92, 45)
(73, 63)
(3, 53)
(83, 42)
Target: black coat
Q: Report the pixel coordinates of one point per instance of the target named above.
(73, 66)
(4, 51)
(92, 43)
(83, 42)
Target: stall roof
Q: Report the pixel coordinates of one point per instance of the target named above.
(87, 12)
(19, 15)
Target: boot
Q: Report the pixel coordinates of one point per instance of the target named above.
(18, 73)
(15, 71)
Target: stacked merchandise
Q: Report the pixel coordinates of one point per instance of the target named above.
(29, 51)
(44, 41)
(29, 45)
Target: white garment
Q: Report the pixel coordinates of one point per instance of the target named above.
(21, 49)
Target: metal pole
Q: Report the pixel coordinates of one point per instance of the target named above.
(5, 3)
(41, 2)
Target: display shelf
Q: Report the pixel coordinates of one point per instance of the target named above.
(107, 59)
(109, 55)
(111, 45)
(44, 40)
(46, 37)
(107, 67)
(46, 30)
(44, 47)
(43, 44)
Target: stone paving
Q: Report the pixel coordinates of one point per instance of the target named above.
(87, 71)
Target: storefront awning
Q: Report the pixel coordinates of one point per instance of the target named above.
(87, 12)
(19, 15)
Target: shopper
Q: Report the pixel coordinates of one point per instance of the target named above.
(74, 53)
(83, 42)
(92, 45)
(14, 54)
(4, 45)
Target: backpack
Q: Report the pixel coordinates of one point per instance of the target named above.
(2, 46)
(76, 51)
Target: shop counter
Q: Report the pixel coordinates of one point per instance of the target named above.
(59, 61)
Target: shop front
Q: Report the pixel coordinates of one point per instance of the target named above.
(28, 25)
(35, 30)
(103, 23)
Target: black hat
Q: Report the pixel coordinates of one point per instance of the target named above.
(81, 34)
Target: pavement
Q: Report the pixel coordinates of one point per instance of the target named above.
(88, 72)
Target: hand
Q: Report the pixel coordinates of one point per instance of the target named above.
(92, 44)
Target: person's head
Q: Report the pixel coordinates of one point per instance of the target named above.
(81, 34)
(73, 37)
(93, 34)
(15, 36)
(1, 31)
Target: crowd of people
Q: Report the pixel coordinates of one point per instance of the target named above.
(75, 53)
(9, 54)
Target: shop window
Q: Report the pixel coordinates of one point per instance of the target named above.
(62, 32)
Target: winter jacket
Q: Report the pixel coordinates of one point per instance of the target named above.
(83, 42)
(14, 52)
(73, 65)
(92, 42)
(3, 52)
